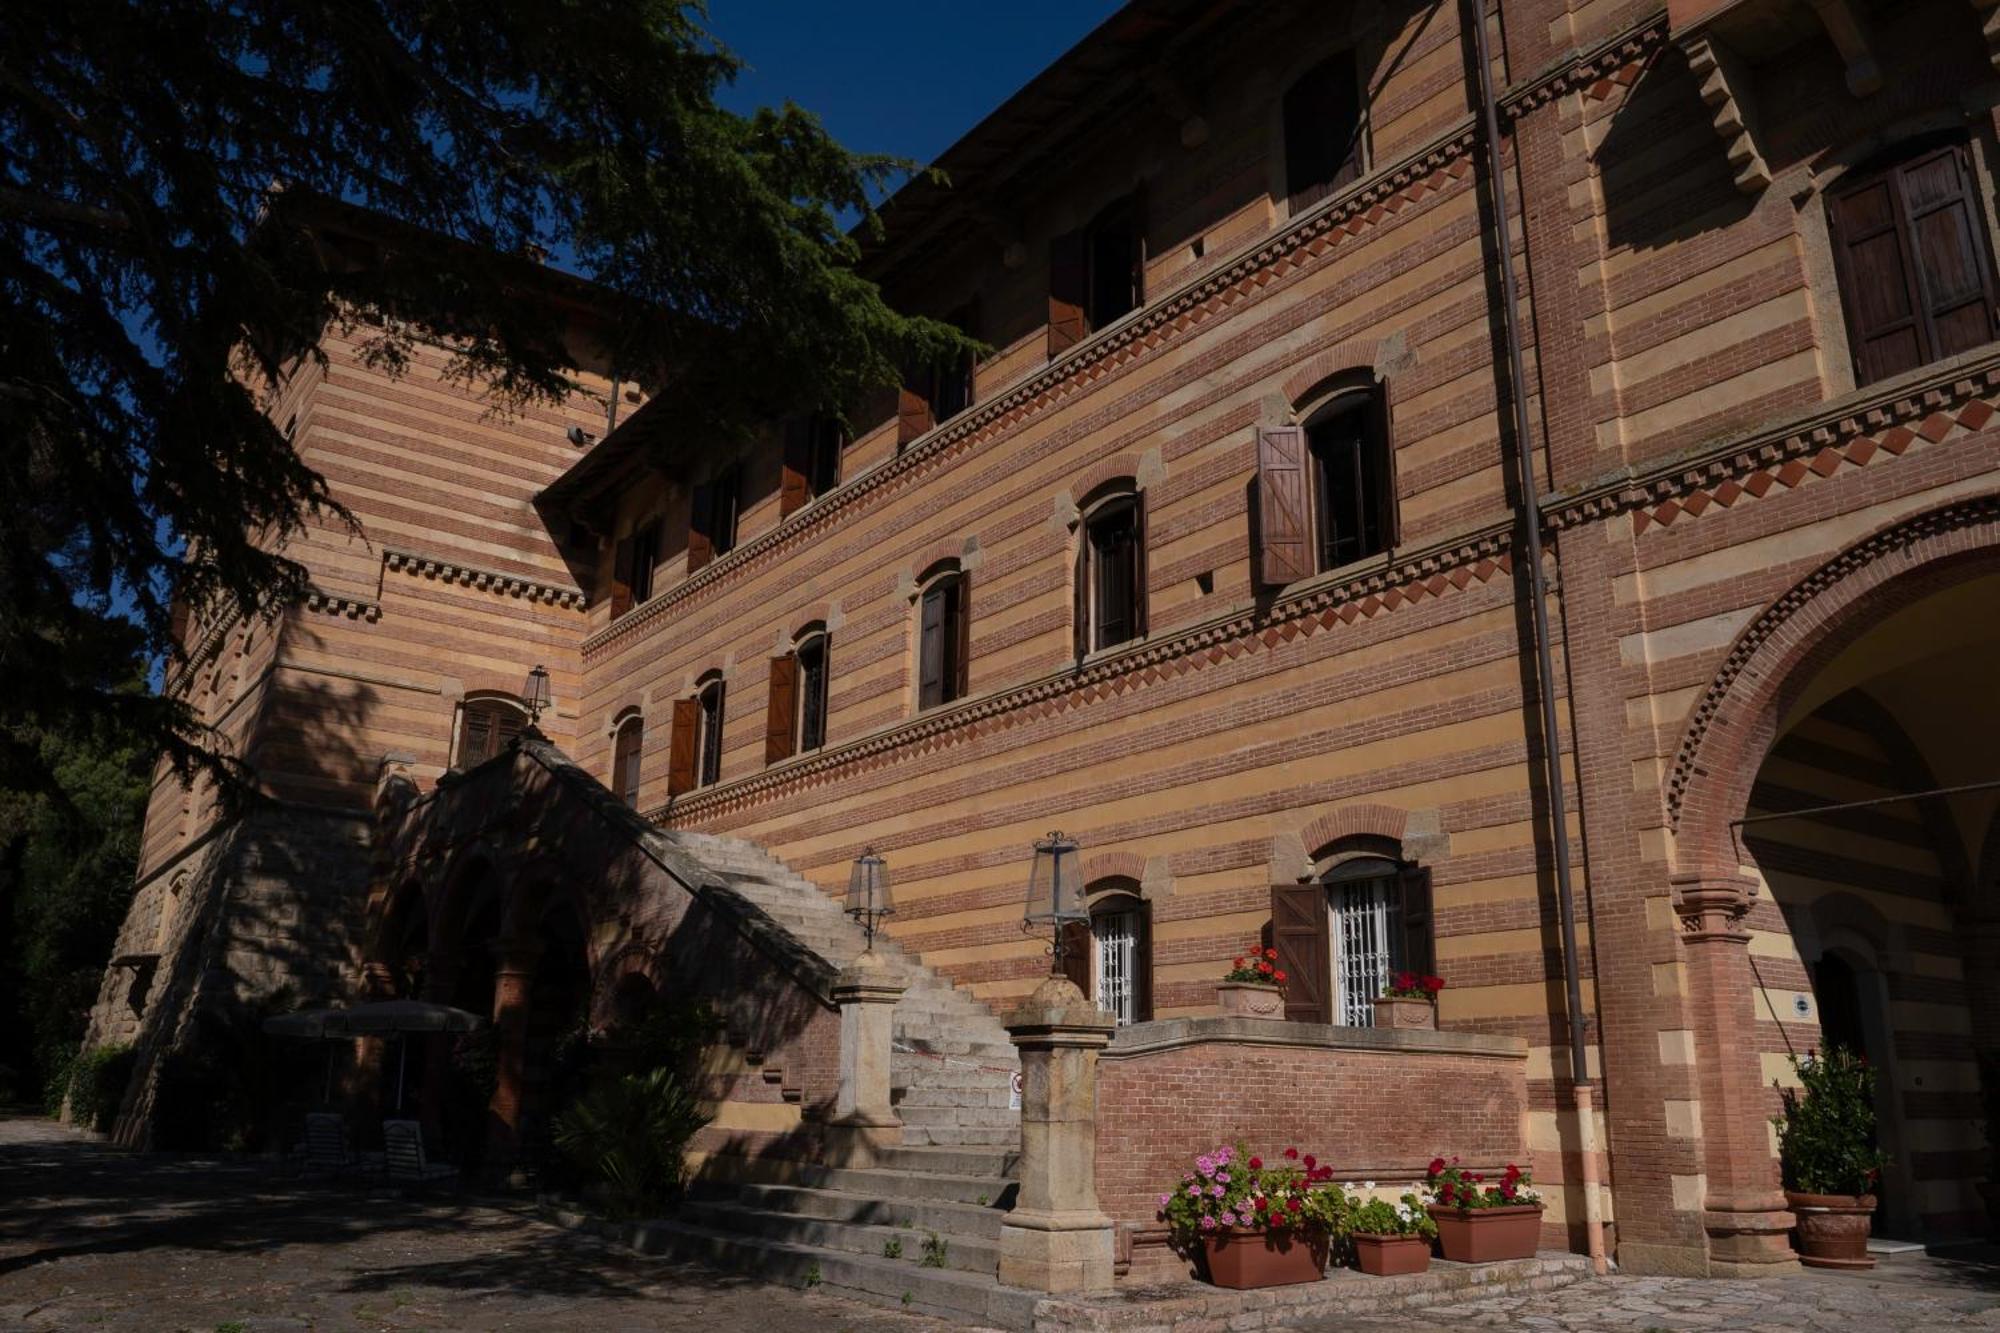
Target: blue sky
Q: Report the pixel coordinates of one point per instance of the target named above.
(894, 76)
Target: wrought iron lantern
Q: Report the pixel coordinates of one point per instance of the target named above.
(868, 898)
(535, 694)
(1055, 893)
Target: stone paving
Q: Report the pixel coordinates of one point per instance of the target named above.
(94, 1238)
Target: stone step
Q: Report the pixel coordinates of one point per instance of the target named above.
(967, 1297)
(942, 1216)
(928, 1096)
(938, 1114)
(913, 1245)
(950, 1161)
(894, 1186)
(959, 1136)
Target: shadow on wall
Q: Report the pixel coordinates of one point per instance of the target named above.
(1664, 173)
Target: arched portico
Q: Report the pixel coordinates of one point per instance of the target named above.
(1819, 901)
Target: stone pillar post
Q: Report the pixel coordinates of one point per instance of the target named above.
(1057, 1239)
(512, 981)
(863, 1120)
(1743, 1210)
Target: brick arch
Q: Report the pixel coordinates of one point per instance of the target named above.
(1356, 354)
(1777, 655)
(946, 550)
(1367, 818)
(1110, 865)
(1119, 467)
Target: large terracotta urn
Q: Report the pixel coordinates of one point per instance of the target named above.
(1833, 1229)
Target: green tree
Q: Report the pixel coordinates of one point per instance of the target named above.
(167, 171)
(67, 858)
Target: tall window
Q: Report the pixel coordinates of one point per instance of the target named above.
(625, 751)
(942, 638)
(1915, 265)
(1326, 491)
(1097, 274)
(1322, 113)
(796, 717)
(1381, 926)
(486, 727)
(1110, 957)
(1111, 579)
(633, 562)
(712, 517)
(935, 392)
(708, 748)
(813, 449)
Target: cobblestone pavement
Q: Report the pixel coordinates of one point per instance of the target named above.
(94, 1238)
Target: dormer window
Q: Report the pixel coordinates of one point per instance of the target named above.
(1322, 112)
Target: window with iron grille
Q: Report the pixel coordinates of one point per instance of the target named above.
(1367, 936)
(1117, 942)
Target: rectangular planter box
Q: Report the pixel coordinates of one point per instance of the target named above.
(1392, 1256)
(1488, 1235)
(1244, 1259)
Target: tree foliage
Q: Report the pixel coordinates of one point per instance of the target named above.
(171, 173)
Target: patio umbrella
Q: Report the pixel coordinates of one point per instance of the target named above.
(379, 1018)
(310, 1024)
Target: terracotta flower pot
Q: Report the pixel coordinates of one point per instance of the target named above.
(1833, 1229)
(1247, 999)
(1244, 1259)
(1392, 1256)
(1488, 1235)
(1399, 1011)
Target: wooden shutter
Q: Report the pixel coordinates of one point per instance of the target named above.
(1142, 964)
(1419, 947)
(931, 646)
(1069, 284)
(681, 746)
(1284, 516)
(1382, 436)
(1077, 947)
(475, 736)
(795, 482)
(1877, 285)
(913, 406)
(783, 707)
(1082, 592)
(959, 626)
(1138, 565)
(701, 526)
(1953, 268)
(621, 578)
(1299, 934)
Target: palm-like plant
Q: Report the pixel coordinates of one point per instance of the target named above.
(630, 1134)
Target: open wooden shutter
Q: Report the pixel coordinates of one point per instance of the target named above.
(1419, 947)
(1284, 512)
(795, 482)
(1077, 947)
(1878, 284)
(959, 625)
(1081, 606)
(1953, 268)
(701, 526)
(1069, 287)
(1142, 965)
(931, 646)
(913, 406)
(1299, 934)
(681, 746)
(621, 578)
(1138, 565)
(782, 709)
(1381, 425)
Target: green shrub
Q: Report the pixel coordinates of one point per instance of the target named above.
(630, 1135)
(1826, 1136)
(97, 1080)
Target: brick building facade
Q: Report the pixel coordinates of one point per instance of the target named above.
(1214, 561)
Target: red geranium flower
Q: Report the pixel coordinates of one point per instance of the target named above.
(1445, 1192)
(1292, 1154)
(1264, 967)
(1292, 1205)
(1263, 1204)
(1239, 962)
(1437, 1165)
(1256, 1163)
(1278, 976)
(1271, 954)
(1311, 1161)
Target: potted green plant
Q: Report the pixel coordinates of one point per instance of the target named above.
(1254, 987)
(1480, 1223)
(1826, 1149)
(1408, 1001)
(1391, 1239)
(1989, 1188)
(1248, 1224)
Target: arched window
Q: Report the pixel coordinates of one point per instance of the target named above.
(1326, 489)
(1322, 111)
(1110, 957)
(1914, 259)
(486, 727)
(1111, 572)
(943, 634)
(694, 750)
(625, 754)
(795, 720)
(1342, 935)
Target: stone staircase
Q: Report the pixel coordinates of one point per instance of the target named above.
(920, 1227)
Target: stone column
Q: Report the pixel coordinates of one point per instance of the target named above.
(1057, 1239)
(1743, 1210)
(512, 982)
(863, 1120)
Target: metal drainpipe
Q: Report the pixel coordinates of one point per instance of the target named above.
(1474, 14)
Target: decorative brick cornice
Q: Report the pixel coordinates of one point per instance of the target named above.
(510, 585)
(1613, 63)
(1960, 399)
(353, 608)
(1430, 170)
(1431, 572)
(1978, 511)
